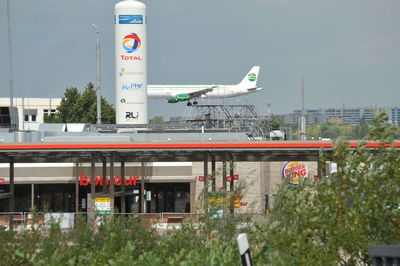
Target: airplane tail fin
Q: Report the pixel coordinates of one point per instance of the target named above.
(250, 80)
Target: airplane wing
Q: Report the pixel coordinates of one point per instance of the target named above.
(199, 93)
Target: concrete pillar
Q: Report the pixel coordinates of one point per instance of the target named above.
(92, 186)
(232, 186)
(32, 196)
(142, 196)
(231, 173)
(77, 187)
(104, 176)
(213, 186)
(192, 196)
(11, 199)
(205, 165)
(224, 172)
(123, 187)
(112, 187)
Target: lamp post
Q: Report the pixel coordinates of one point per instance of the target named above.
(49, 106)
(98, 73)
(10, 73)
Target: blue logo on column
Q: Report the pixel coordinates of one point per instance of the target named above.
(130, 19)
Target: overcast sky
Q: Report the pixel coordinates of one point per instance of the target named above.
(348, 51)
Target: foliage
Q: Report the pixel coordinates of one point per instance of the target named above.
(334, 131)
(157, 120)
(119, 241)
(81, 108)
(273, 123)
(313, 132)
(332, 221)
(360, 130)
(326, 222)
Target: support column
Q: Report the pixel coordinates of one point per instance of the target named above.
(142, 197)
(224, 172)
(104, 171)
(11, 199)
(231, 173)
(32, 197)
(123, 187)
(112, 187)
(224, 179)
(231, 187)
(205, 165)
(77, 187)
(92, 186)
(321, 165)
(213, 186)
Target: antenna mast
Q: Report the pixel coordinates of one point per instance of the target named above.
(302, 118)
(10, 73)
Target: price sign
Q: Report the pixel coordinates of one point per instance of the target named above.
(102, 206)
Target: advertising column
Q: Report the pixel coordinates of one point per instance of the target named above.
(130, 62)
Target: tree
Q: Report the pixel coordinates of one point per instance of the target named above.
(157, 120)
(313, 132)
(331, 221)
(360, 130)
(81, 108)
(334, 131)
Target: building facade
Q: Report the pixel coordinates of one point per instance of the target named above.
(172, 187)
(31, 111)
(351, 116)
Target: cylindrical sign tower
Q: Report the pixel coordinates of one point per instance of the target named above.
(130, 62)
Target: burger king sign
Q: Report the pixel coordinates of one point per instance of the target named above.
(294, 172)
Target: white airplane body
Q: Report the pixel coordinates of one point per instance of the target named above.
(178, 93)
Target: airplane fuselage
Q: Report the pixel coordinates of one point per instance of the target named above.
(180, 93)
(220, 91)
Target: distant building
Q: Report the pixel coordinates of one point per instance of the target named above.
(394, 115)
(351, 116)
(9, 118)
(31, 111)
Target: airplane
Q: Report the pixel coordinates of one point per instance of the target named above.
(180, 93)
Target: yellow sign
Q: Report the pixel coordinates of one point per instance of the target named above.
(103, 199)
(218, 201)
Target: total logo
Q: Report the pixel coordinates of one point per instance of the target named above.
(131, 42)
(252, 77)
(131, 86)
(130, 58)
(131, 115)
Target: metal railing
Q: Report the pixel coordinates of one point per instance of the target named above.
(384, 254)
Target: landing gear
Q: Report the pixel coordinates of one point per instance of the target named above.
(189, 104)
(195, 103)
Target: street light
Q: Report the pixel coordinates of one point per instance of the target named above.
(10, 61)
(98, 73)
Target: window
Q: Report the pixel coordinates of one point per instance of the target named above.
(30, 115)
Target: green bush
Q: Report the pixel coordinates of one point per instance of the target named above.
(327, 222)
(332, 221)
